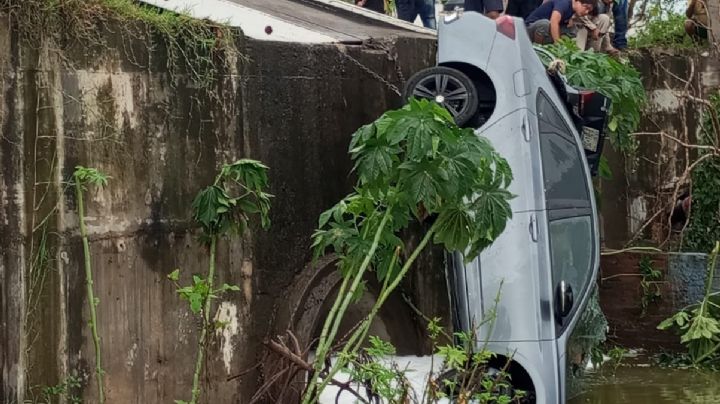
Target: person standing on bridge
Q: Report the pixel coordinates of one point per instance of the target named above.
(375, 5)
(408, 10)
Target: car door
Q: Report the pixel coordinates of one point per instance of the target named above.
(571, 221)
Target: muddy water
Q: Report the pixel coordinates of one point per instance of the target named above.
(649, 385)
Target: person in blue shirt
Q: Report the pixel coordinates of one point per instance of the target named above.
(491, 8)
(553, 18)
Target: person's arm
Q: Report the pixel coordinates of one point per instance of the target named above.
(588, 23)
(555, 19)
(690, 9)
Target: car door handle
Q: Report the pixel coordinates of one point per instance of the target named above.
(533, 228)
(564, 300)
(526, 128)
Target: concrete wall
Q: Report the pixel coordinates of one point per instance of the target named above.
(641, 185)
(632, 203)
(161, 139)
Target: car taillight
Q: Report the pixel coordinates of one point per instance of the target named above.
(506, 26)
(585, 97)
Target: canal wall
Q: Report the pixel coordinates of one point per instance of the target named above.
(119, 105)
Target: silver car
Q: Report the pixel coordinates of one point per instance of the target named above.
(490, 77)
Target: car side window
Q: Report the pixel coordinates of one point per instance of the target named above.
(569, 208)
(563, 175)
(571, 250)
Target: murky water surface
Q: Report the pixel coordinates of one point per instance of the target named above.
(649, 385)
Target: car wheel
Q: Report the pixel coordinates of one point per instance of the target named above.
(300, 315)
(449, 87)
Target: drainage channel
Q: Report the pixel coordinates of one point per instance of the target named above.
(645, 384)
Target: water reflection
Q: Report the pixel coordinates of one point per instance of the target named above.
(649, 385)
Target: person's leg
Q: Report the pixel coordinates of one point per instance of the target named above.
(690, 27)
(621, 24)
(427, 13)
(539, 32)
(406, 10)
(581, 38)
(602, 22)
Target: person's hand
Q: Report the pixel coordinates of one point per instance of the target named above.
(361, 3)
(596, 34)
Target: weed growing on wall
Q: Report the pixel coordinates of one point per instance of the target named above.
(198, 48)
(60, 392)
(704, 224)
(222, 209)
(83, 177)
(410, 163)
(650, 283)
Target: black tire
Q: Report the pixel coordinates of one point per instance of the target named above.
(449, 87)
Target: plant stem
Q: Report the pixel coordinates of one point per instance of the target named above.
(90, 293)
(206, 321)
(339, 307)
(358, 337)
(708, 292)
(333, 312)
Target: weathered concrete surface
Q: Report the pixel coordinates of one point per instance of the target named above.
(161, 139)
(682, 284)
(687, 273)
(640, 185)
(621, 296)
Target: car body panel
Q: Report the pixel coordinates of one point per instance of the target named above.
(519, 263)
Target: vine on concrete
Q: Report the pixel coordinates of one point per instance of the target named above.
(201, 49)
(704, 225)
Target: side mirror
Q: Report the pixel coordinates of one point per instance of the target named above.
(563, 299)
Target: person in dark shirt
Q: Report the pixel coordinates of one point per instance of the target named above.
(522, 8)
(552, 18)
(374, 5)
(491, 8)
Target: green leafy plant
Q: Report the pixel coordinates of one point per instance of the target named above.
(411, 163)
(615, 79)
(223, 208)
(465, 374)
(700, 323)
(82, 177)
(617, 355)
(663, 27)
(704, 223)
(61, 392)
(650, 283)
